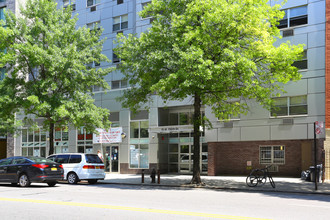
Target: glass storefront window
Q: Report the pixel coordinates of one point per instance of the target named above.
(139, 156)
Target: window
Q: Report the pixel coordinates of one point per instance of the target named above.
(143, 7)
(2, 73)
(93, 25)
(5, 162)
(84, 141)
(285, 106)
(294, 17)
(114, 118)
(33, 143)
(120, 2)
(182, 118)
(119, 84)
(302, 63)
(2, 15)
(139, 157)
(115, 58)
(92, 2)
(272, 154)
(120, 22)
(61, 140)
(66, 3)
(139, 129)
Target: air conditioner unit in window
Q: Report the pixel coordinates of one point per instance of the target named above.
(228, 124)
(93, 8)
(288, 121)
(287, 33)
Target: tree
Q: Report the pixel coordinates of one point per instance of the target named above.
(49, 73)
(220, 52)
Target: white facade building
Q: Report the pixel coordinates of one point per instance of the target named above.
(162, 137)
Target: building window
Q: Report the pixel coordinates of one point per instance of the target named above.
(120, 2)
(302, 63)
(66, 3)
(139, 129)
(288, 106)
(2, 73)
(61, 138)
(93, 2)
(2, 14)
(93, 25)
(84, 141)
(139, 156)
(272, 154)
(114, 118)
(118, 84)
(294, 17)
(143, 7)
(115, 58)
(34, 143)
(120, 23)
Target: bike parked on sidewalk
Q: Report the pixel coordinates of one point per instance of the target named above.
(259, 176)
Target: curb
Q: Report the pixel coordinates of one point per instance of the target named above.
(219, 188)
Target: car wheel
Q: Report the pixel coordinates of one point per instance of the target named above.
(72, 178)
(24, 180)
(92, 181)
(51, 184)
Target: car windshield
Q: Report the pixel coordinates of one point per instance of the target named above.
(93, 158)
(40, 160)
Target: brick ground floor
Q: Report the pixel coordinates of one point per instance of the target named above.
(237, 158)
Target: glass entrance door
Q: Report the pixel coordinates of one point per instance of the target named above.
(111, 155)
(185, 160)
(114, 159)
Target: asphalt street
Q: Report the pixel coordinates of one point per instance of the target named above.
(115, 201)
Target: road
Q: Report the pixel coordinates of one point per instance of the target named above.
(106, 201)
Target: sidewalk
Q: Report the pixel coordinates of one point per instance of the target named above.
(293, 185)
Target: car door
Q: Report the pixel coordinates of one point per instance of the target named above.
(17, 165)
(4, 177)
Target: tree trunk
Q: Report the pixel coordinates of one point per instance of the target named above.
(196, 179)
(51, 138)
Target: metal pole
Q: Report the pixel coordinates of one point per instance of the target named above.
(142, 177)
(315, 160)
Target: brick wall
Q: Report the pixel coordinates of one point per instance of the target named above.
(230, 158)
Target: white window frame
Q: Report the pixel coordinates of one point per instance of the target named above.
(122, 84)
(95, 2)
(66, 3)
(288, 16)
(120, 22)
(274, 151)
(289, 105)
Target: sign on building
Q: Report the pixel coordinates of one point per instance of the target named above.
(112, 135)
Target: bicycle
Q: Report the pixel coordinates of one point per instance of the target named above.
(259, 176)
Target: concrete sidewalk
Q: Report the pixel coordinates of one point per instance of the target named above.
(293, 185)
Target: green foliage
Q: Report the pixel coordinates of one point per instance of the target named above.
(220, 50)
(46, 59)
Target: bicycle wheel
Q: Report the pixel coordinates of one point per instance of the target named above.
(251, 180)
(271, 181)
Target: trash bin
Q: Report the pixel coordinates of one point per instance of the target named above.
(316, 174)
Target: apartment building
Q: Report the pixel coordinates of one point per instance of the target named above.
(7, 142)
(161, 138)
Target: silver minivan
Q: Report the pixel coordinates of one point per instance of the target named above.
(79, 166)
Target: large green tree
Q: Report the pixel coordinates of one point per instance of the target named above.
(217, 51)
(50, 71)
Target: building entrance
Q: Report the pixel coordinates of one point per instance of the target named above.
(111, 158)
(181, 158)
